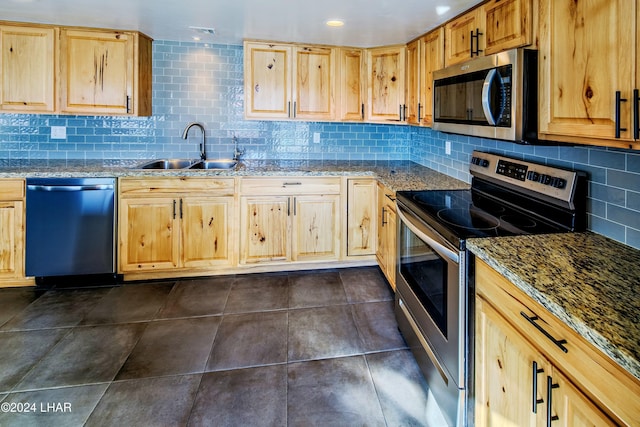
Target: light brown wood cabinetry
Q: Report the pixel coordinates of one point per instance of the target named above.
(289, 219)
(463, 38)
(588, 56)
(176, 223)
(386, 84)
(286, 81)
(105, 72)
(386, 249)
(424, 56)
(12, 233)
(492, 27)
(351, 80)
(361, 221)
(27, 67)
(583, 386)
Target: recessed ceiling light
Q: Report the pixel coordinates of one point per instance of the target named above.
(441, 10)
(335, 22)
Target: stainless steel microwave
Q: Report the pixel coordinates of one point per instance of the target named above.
(494, 96)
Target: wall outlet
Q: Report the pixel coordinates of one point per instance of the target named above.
(447, 148)
(316, 137)
(58, 132)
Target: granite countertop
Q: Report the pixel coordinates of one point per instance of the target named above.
(397, 175)
(590, 282)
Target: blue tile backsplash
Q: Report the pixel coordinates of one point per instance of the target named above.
(197, 82)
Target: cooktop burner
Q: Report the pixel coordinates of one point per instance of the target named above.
(507, 197)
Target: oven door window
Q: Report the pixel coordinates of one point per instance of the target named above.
(425, 271)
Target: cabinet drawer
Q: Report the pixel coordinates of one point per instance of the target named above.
(388, 199)
(12, 189)
(161, 186)
(290, 185)
(599, 377)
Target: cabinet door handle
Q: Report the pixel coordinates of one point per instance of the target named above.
(636, 114)
(535, 401)
(419, 108)
(284, 184)
(294, 109)
(362, 110)
(288, 206)
(477, 51)
(128, 106)
(619, 100)
(559, 343)
(295, 209)
(550, 387)
(384, 211)
(180, 208)
(289, 109)
(174, 209)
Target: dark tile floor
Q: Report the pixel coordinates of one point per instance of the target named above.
(316, 348)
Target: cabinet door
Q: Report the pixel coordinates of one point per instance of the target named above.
(458, 32)
(586, 55)
(432, 59)
(505, 383)
(314, 84)
(386, 84)
(316, 227)
(507, 24)
(413, 67)
(267, 80)
(352, 84)
(11, 240)
(206, 231)
(149, 234)
(361, 217)
(97, 71)
(265, 229)
(572, 407)
(27, 69)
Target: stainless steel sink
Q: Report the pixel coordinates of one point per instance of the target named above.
(215, 164)
(167, 164)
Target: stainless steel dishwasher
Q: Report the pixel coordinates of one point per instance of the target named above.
(70, 228)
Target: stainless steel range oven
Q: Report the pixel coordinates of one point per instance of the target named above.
(434, 298)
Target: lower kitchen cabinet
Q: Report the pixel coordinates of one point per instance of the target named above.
(361, 220)
(12, 237)
(386, 249)
(289, 219)
(176, 223)
(523, 378)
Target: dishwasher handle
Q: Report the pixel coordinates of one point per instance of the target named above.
(70, 188)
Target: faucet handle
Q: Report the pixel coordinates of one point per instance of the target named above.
(237, 152)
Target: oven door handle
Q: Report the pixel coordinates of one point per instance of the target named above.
(439, 247)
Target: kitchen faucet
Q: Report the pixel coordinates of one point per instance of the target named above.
(203, 152)
(236, 152)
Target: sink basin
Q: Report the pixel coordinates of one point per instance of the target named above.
(215, 164)
(167, 164)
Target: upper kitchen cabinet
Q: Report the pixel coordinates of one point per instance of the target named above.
(589, 72)
(27, 65)
(105, 72)
(386, 84)
(351, 78)
(424, 56)
(289, 81)
(465, 37)
(490, 28)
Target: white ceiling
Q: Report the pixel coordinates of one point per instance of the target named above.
(367, 22)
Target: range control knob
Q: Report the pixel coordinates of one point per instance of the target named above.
(544, 179)
(558, 183)
(480, 162)
(533, 176)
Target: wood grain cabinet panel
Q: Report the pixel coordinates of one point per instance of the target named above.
(508, 24)
(165, 228)
(458, 36)
(351, 78)
(386, 248)
(386, 84)
(105, 72)
(12, 233)
(27, 67)
(289, 219)
(362, 219)
(587, 56)
(579, 387)
(314, 85)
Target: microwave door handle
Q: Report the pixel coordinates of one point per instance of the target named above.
(486, 94)
(439, 247)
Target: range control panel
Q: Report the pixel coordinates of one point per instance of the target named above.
(550, 181)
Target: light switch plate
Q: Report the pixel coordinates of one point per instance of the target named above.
(58, 132)
(316, 137)
(447, 148)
